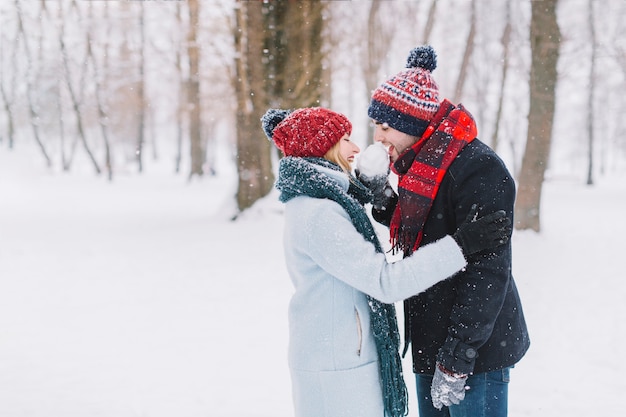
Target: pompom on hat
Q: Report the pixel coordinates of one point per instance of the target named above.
(306, 132)
(408, 101)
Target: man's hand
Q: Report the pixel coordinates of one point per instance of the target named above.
(447, 388)
(477, 234)
(373, 171)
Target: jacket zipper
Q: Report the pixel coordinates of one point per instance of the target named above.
(359, 332)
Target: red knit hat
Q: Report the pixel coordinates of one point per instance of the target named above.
(305, 132)
(408, 101)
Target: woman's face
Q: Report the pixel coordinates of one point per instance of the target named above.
(347, 148)
(395, 141)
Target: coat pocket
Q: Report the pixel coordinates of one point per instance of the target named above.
(359, 332)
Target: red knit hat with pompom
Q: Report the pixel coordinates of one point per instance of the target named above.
(305, 132)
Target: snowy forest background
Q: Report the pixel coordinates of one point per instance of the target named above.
(112, 87)
(129, 142)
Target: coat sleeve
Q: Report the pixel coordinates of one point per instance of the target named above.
(481, 288)
(338, 248)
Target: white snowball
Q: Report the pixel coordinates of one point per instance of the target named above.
(374, 160)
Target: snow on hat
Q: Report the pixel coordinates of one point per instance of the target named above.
(310, 131)
(409, 100)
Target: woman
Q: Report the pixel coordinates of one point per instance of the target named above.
(343, 351)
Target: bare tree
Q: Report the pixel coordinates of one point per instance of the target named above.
(506, 40)
(74, 94)
(620, 127)
(281, 42)
(293, 38)
(379, 36)
(8, 95)
(33, 113)
(544, 42)
(193, 88)
(65, 160)
(591, 92)
(181, 110)
(469, 47)
(254, 165)
(99, 86)
(430, 22)
(141, 89)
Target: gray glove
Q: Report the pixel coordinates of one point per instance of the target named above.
(477, 234)
(447, 388)
(373, 171)
(379, 187)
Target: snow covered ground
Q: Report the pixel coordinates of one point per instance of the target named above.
(141, 298)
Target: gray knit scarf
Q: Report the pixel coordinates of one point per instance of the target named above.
(298, 176)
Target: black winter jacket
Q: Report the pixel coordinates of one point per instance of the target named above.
(473, 322)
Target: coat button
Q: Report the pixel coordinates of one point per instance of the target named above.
(470, 353)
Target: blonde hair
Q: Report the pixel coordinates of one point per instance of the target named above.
(333, 155)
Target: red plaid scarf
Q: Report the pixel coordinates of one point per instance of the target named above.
(422, 168)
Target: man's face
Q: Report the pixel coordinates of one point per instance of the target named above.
(395, 141)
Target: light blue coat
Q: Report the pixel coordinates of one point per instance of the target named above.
(332, 353)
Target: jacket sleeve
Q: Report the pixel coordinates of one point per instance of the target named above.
(481, 288)
(338, 248)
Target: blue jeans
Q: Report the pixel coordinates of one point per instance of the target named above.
(487, 396)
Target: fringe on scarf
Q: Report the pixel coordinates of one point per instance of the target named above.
(387, 338)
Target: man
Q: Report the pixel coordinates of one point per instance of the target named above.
(466, 332)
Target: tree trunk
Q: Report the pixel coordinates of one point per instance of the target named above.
(592, 88)
(279, 63)
(34, 116)
(506, 39)
(181, 106)
(379, 37)
(7, 99)
(469, 48)
(253, 150)
(8, 108)
(141, 90)
(100, 100)
(544, 42)
(195, 109)
(76, 103)
(430, 22)
(293, 37)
